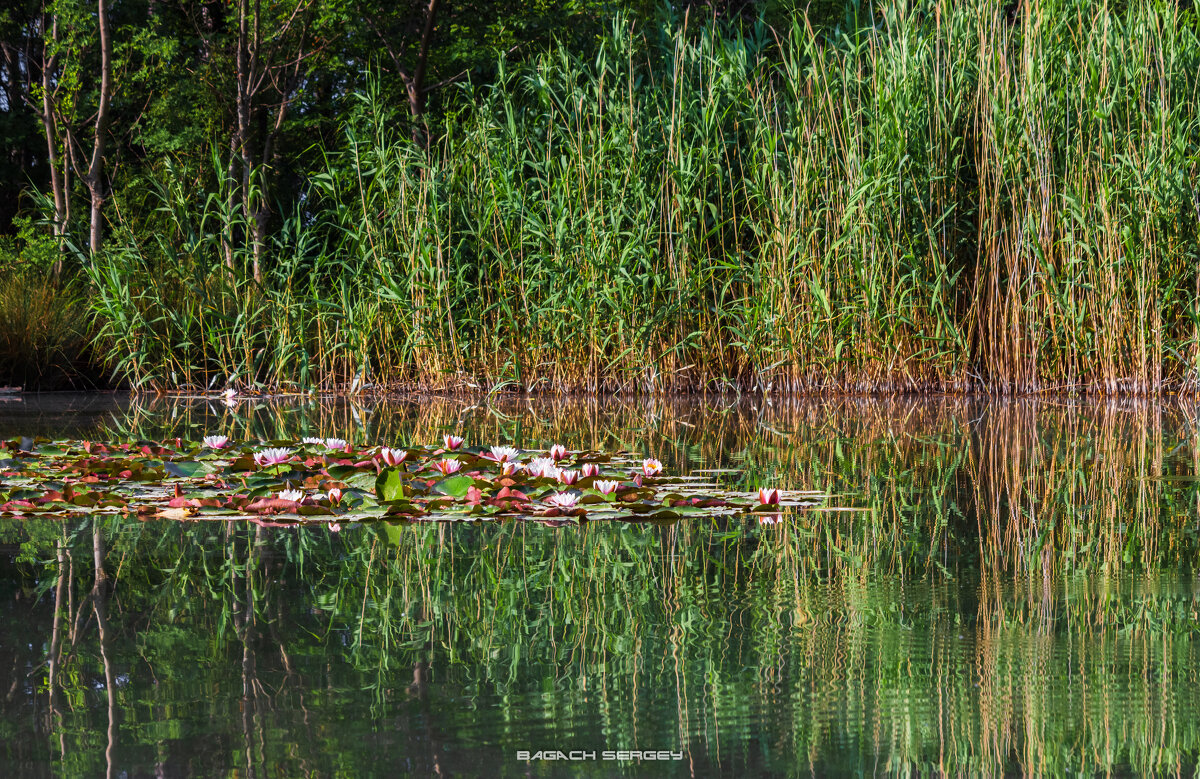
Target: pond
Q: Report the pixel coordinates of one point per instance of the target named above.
(1015, 595)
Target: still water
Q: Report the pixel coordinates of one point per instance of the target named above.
(1017, 598)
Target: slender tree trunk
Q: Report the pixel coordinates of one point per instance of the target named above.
(95, 174)
(58, 186)
(416, 85)
(247, 74)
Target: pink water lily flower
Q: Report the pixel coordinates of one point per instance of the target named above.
(393, 456)
(448, 466)
(216, 441)
(770, 519)
(651, 467)
(563, 500)
(452, 442)
(558, 452)
(568, 477)
(335, 443)
(590, 469)
(272, 457)
(335, 495)
(334, 527)
(502, 454)
(607, 487)
(768, 496)
(509, 467)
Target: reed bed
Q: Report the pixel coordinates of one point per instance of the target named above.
(942, 196)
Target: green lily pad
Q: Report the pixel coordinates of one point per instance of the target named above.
(454, 486)
(188, 470)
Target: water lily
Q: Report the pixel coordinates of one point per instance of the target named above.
(272, 457)
(651, 467)
(607, 487)
(295, 495)
(448, 466)
(542, 466)
(502, 454)
(216, 441)
(334, 527)
(229, 394)
(568, 477)
(563, 500)
(393, 456)
(590, 469)
(770, 519)
(335, 443)
(509, 467)
(558, 452)
(768, 496)
(313, 441)
(335, 495)
(452, 442)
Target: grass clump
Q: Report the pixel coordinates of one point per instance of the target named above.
(45, 331)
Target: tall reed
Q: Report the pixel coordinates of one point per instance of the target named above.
(939, 196)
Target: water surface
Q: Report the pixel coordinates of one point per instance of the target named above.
(1018, 598)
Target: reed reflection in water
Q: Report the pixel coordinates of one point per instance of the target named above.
(1018, 597)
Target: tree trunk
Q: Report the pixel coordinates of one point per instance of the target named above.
(416, 85)
(58, 185)
(95, 174)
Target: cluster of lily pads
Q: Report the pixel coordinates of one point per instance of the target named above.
(332, 480)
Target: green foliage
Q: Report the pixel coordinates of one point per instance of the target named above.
(30, 252)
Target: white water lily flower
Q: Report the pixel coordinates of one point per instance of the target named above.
(541, 466)
(770, 519)
(563, 500)
(503, 454)
(216, 441)
(335, 443)
(509, 467)
(558, 452)
(452, 441)
(568, 477)
(393, 456)
(448, 466)
(768, 496)
(607, 487)
(272, 457)
(296, 495)
(590, 469)
(313, 441)
(651, 467)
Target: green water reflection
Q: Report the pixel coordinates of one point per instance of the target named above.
(1018, 599)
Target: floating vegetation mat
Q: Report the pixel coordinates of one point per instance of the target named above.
(332, 481)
